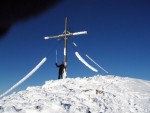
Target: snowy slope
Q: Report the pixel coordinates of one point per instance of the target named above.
(98, 94)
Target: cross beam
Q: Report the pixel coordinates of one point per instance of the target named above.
(65, 35)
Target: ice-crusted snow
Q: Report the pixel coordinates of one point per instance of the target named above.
(84, 62)
(97, 94)
(26, 77)
(96, 63)
(87, 64)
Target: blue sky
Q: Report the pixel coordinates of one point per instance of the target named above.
(118, 39)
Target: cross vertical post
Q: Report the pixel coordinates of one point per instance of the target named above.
(65, 47)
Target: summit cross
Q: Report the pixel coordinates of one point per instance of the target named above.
(65, 35)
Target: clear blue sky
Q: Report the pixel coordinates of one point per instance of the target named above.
(118, 39)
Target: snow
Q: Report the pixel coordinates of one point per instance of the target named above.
(96, 63)
(46, 37)
(80, 33)
(25, 78)
(74, 44)
(84, 62)
(97, 94)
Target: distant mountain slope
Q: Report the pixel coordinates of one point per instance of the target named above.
(98, 94)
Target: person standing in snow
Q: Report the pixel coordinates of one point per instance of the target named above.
(61, 70)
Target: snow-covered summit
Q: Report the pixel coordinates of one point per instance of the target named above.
(98, 94)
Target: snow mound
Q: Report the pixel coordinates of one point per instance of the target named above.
(98, 94)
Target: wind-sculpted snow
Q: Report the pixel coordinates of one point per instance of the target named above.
(98, 94)
(84, 62)
(26, 77)
(96, 63)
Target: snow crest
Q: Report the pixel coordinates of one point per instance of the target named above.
(98, 94)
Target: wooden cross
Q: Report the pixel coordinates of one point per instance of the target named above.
(65, 35)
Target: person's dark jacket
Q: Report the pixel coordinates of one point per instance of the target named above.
(61, 70)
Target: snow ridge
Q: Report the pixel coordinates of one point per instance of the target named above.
(98, 94)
